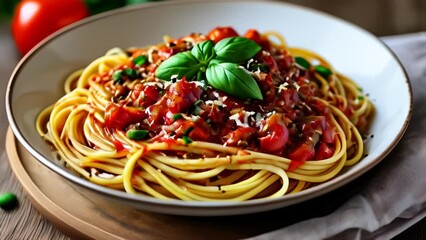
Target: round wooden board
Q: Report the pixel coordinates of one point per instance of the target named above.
(80, 216)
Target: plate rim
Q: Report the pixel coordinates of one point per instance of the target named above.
(204, 208)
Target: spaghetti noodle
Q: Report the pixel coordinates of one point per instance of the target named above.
(120, 126)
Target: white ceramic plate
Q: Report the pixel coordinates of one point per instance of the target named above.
(38, 79)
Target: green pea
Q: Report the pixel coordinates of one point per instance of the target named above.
(137, 134)
(8, 201)
(324, 71)
(302, 63)
(258, 67)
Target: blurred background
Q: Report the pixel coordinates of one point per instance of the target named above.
(380, 17)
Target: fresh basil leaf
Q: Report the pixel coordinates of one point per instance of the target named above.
(233, 80)
(179, 65)
(201, 75)
(204, 51)
(236, 49)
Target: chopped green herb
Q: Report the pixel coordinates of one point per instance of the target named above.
(197, 110)
(186, 139)
(176, 116)
(198, 102)
(324, 71)
(137, 134)
(131, 73)
(360, 97)
(263, 68)
(117, 77)
(140, 60)
(302, 63)
(258, 67)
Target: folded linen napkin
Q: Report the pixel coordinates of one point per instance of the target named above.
(394, 197)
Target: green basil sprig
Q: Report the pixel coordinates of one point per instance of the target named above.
(218, 63)
(204, 51)
(233, 78)
(177, 66)
(236, 49)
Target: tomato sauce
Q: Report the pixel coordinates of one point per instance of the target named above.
(288, 122)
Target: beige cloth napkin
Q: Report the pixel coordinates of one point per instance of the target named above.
(395, 195)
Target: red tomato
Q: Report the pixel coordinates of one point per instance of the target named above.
(277, 135)
(193, 131)
(220, 33)
(269, 62)
(241, 133)
(258, 38)
(300, 155)
(182, 95)
(253, 35)
(145, 95)
(119, 117)
(329, 135)
(34, 20)
(324, 151)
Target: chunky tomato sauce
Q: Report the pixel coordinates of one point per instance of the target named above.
(288, 122)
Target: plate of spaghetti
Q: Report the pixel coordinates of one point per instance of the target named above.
(200, 115)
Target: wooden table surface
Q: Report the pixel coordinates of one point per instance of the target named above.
(25, 222)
